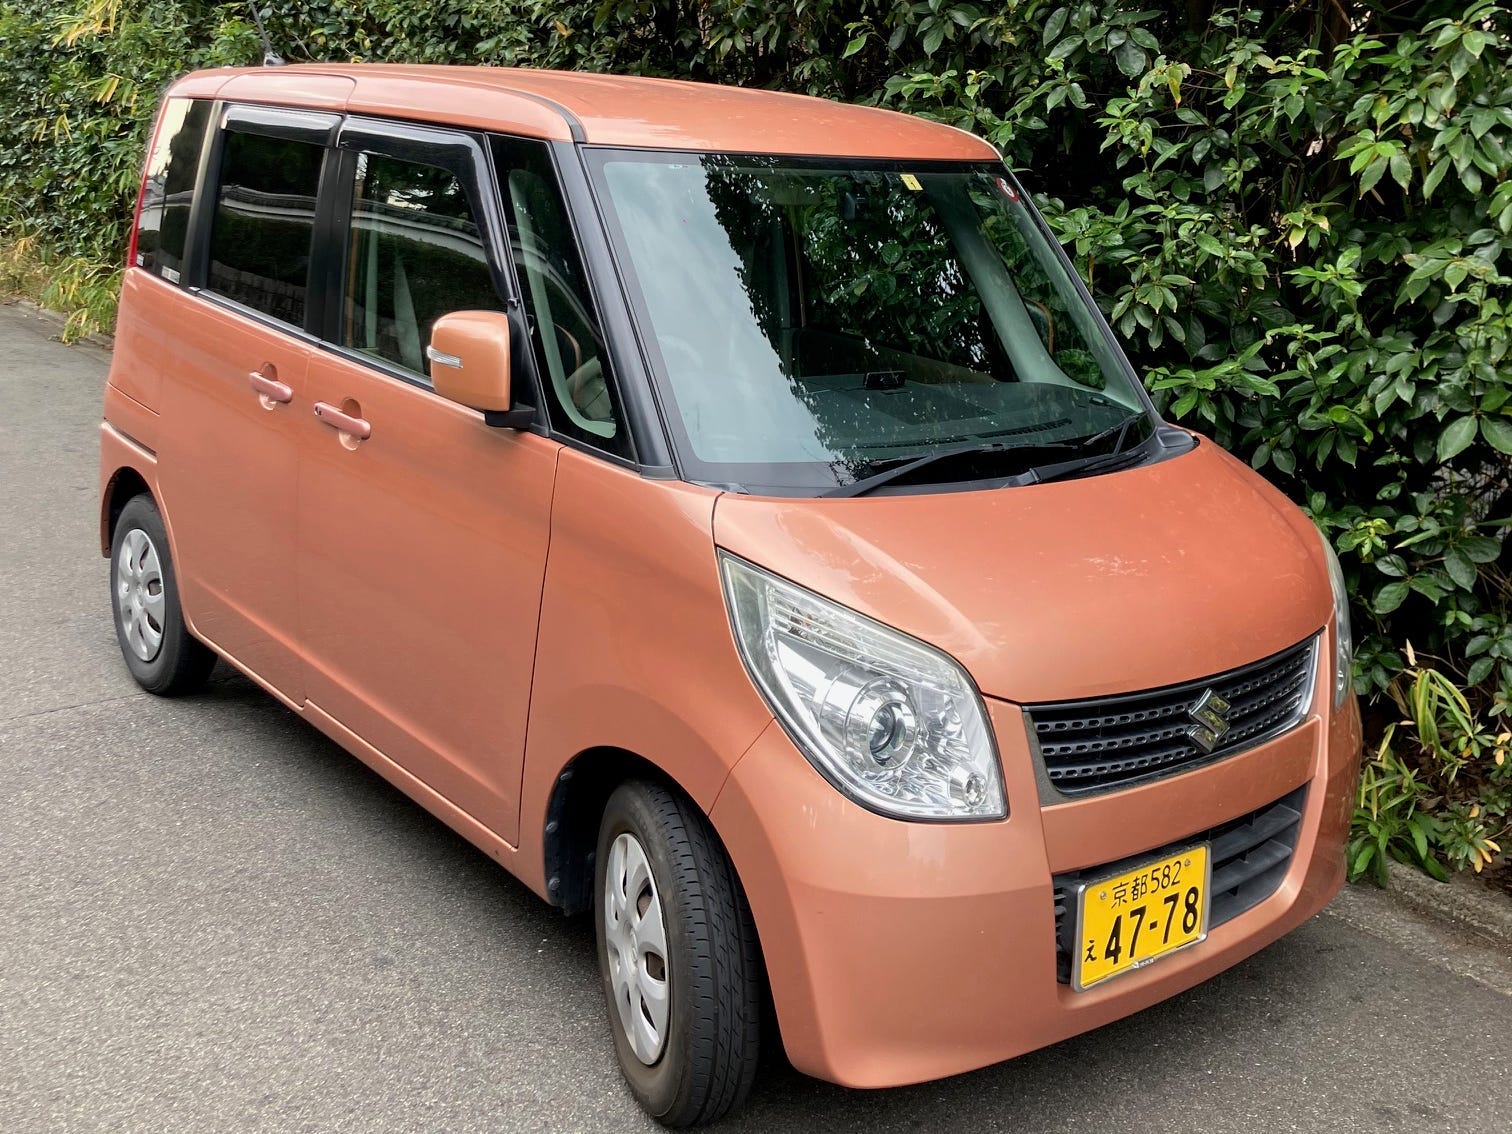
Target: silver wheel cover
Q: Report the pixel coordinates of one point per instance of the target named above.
(140, 601)
(635, 938)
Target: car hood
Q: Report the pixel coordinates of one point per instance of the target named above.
(1130, 580)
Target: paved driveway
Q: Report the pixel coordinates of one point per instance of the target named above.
(212, 919)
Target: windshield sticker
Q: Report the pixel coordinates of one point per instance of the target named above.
(1008, 190)
(912, 182)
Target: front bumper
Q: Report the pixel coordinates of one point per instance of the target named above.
(901, 952)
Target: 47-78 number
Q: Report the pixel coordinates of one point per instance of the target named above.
(1180, 910)
(1130, 919)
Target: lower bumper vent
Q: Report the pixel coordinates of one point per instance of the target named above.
(1250, 856)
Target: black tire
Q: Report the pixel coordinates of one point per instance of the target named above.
(708, 1059)
(180, 663)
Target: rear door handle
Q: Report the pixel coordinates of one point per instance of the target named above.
(270, 388)
(354, 426)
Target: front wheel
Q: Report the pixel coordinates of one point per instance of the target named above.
(159, 650)
(677, 956)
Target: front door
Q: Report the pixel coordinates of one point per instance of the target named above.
(422, 545)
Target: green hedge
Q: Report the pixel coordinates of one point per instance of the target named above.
(1297, 214)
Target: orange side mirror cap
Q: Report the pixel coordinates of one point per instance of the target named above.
(469, 359)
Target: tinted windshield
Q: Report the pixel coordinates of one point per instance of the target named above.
(813, 323)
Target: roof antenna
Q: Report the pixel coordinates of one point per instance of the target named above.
(271, 58)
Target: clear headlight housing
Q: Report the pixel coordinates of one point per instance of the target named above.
(891, 722)
(1343, 662)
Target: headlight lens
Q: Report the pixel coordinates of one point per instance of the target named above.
(891, 722)
(1343, 641)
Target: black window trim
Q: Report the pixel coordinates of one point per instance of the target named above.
(317, 127)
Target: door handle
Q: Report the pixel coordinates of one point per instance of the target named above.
(354, 426)
(270, 389)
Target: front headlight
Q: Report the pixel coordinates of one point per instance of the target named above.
(891, 722)
(1343, 672)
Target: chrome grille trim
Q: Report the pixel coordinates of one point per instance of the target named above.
(1112, 742)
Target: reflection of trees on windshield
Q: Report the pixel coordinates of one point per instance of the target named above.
(745, 200)
(876, 264)
(883, 268)
(746, 209)
(846, 256)
(1056, 328)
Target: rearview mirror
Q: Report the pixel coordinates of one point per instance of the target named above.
(469, 364)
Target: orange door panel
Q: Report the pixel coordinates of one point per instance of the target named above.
(232, 405)
(422, 554)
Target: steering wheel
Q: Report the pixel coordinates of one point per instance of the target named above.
(589, 391)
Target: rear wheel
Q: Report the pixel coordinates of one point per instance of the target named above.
(159, 650)
(677, 956)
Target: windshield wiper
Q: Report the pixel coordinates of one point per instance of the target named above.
(896, 472)
(1119, 427)
(1115, 458)
(1035, 474)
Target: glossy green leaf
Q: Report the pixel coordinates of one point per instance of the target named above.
(1456, 437)
(1460, 568)
(1389, 597)
(1498, 432)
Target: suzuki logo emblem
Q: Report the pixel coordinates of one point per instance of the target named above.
(1211, 714)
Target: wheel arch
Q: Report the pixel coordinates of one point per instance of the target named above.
(570, 836)
(123, 484)
(569, 839)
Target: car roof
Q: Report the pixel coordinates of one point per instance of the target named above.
(610, 110)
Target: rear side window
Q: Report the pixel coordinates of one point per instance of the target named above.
(169, 187)
(264, 223)
(415, 254)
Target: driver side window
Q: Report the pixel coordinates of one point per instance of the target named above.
(564, 328)
(415, 254)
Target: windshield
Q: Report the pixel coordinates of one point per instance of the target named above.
(813, 322)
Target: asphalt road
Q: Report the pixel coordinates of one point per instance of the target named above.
(213, 919)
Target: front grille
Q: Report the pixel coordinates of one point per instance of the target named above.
(1110, 742)
(1250, 856)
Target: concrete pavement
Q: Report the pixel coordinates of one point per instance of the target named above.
(213, 919)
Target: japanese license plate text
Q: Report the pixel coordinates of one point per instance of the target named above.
(1130, 919)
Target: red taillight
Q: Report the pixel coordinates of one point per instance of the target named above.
(136, 214)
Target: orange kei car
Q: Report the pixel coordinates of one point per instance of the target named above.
(729, 511)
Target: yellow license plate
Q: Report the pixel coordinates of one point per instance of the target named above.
(1127, 921)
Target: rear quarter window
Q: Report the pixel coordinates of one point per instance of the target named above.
(168, 188)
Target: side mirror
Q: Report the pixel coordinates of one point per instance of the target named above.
(469, 357)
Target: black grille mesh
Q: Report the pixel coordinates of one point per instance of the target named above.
(1250, 856)
(1110, 742)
